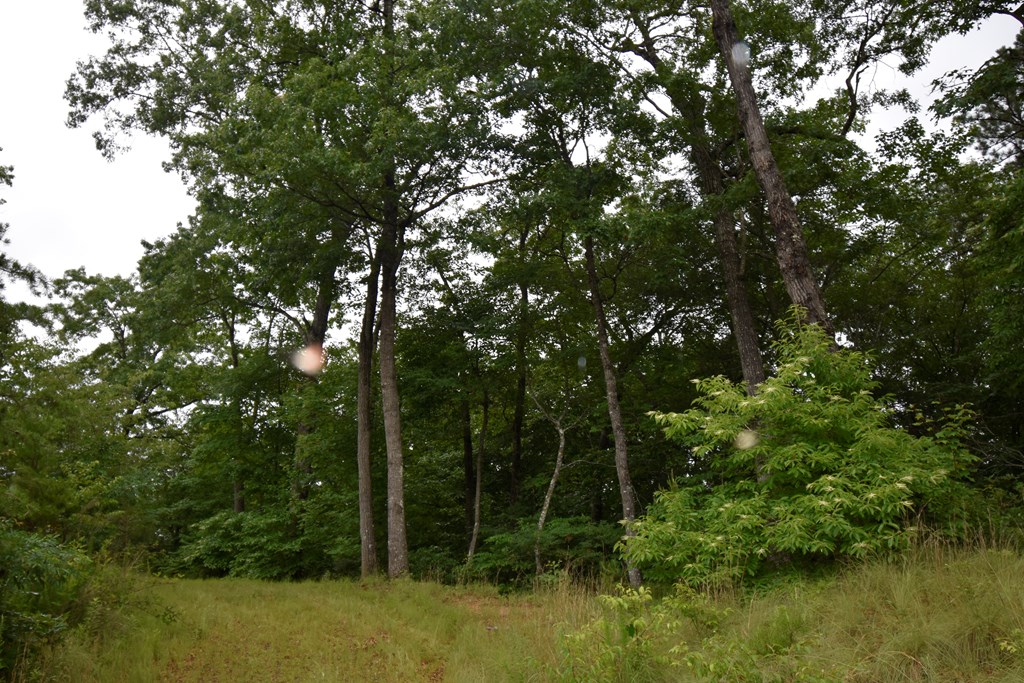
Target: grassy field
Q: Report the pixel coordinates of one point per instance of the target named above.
(243, 630)
(939, 615)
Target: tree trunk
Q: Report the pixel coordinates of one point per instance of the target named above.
(520, 400)
(709, 170)
(314, 336)
(790, 247)
(364, 424)
(479, 479)
(549, 495)
(468, 468)
(737, 297)
(614, 412)
(398, 551)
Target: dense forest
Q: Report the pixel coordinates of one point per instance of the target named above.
(488, 289)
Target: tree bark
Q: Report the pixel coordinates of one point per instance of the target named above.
(364, 424)
(314, 337)
(479, 478)
(398, 552)
(790, 247)
(557, 422)
(520, 399)
(614, 411)
(737, 298)
(390, 251)
(709, 170)
(468, 468)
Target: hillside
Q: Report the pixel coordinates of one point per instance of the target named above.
(942, 615)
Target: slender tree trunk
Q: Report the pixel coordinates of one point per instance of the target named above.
(479, 478)
(790, 247)
(709, 170)
(743, 328)
(614, 412)
(549, 495)
(468, 468)
(390, 251)
(237, 485)
(398, 552)
(315, 335)
(364, 424)
(520, 400)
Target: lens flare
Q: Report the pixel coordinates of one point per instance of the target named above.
(741, 53)
(746, 439)
(309, 360)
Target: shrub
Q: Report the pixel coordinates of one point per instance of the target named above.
(573, 544)
(258, 545)
(41, 582)
(808, 470)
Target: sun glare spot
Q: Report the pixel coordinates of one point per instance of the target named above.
(310, 359)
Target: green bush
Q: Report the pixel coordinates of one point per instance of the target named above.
(258, 545)
(573, 544)
(41, 582)
(809, 470)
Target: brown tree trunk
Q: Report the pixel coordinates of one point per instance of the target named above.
(468, 468)
(391, 254)
(390, 251)
(364, 424)
(520, 399)
(614, 412)
(479, 479)
(709, 170)
(790, 247)
(737, 298)
(315, 335)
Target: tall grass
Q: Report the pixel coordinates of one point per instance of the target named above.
(245, 630)
(941, 613)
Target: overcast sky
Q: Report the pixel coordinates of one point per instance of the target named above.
(69, 207)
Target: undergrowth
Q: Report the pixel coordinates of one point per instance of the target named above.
(939, 613)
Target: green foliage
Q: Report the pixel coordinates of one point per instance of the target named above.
(619, 645)
(41, 582)
(260, 545)
(808, 470)
(573, 544)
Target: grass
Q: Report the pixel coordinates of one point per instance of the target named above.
(940, 614)
(246, 630)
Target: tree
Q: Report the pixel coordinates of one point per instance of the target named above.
(791, 249)
(12, 270)
(343, 106)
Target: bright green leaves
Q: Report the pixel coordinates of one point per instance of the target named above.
(40, 582)
(805, 470)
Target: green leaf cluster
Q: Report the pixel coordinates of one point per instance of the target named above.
(41, 582)
(807, 471)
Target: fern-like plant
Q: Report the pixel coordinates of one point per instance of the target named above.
(809, 469)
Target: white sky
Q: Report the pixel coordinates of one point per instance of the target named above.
(69, 207)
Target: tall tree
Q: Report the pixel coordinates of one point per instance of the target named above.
(791, 249)
(344, 106)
